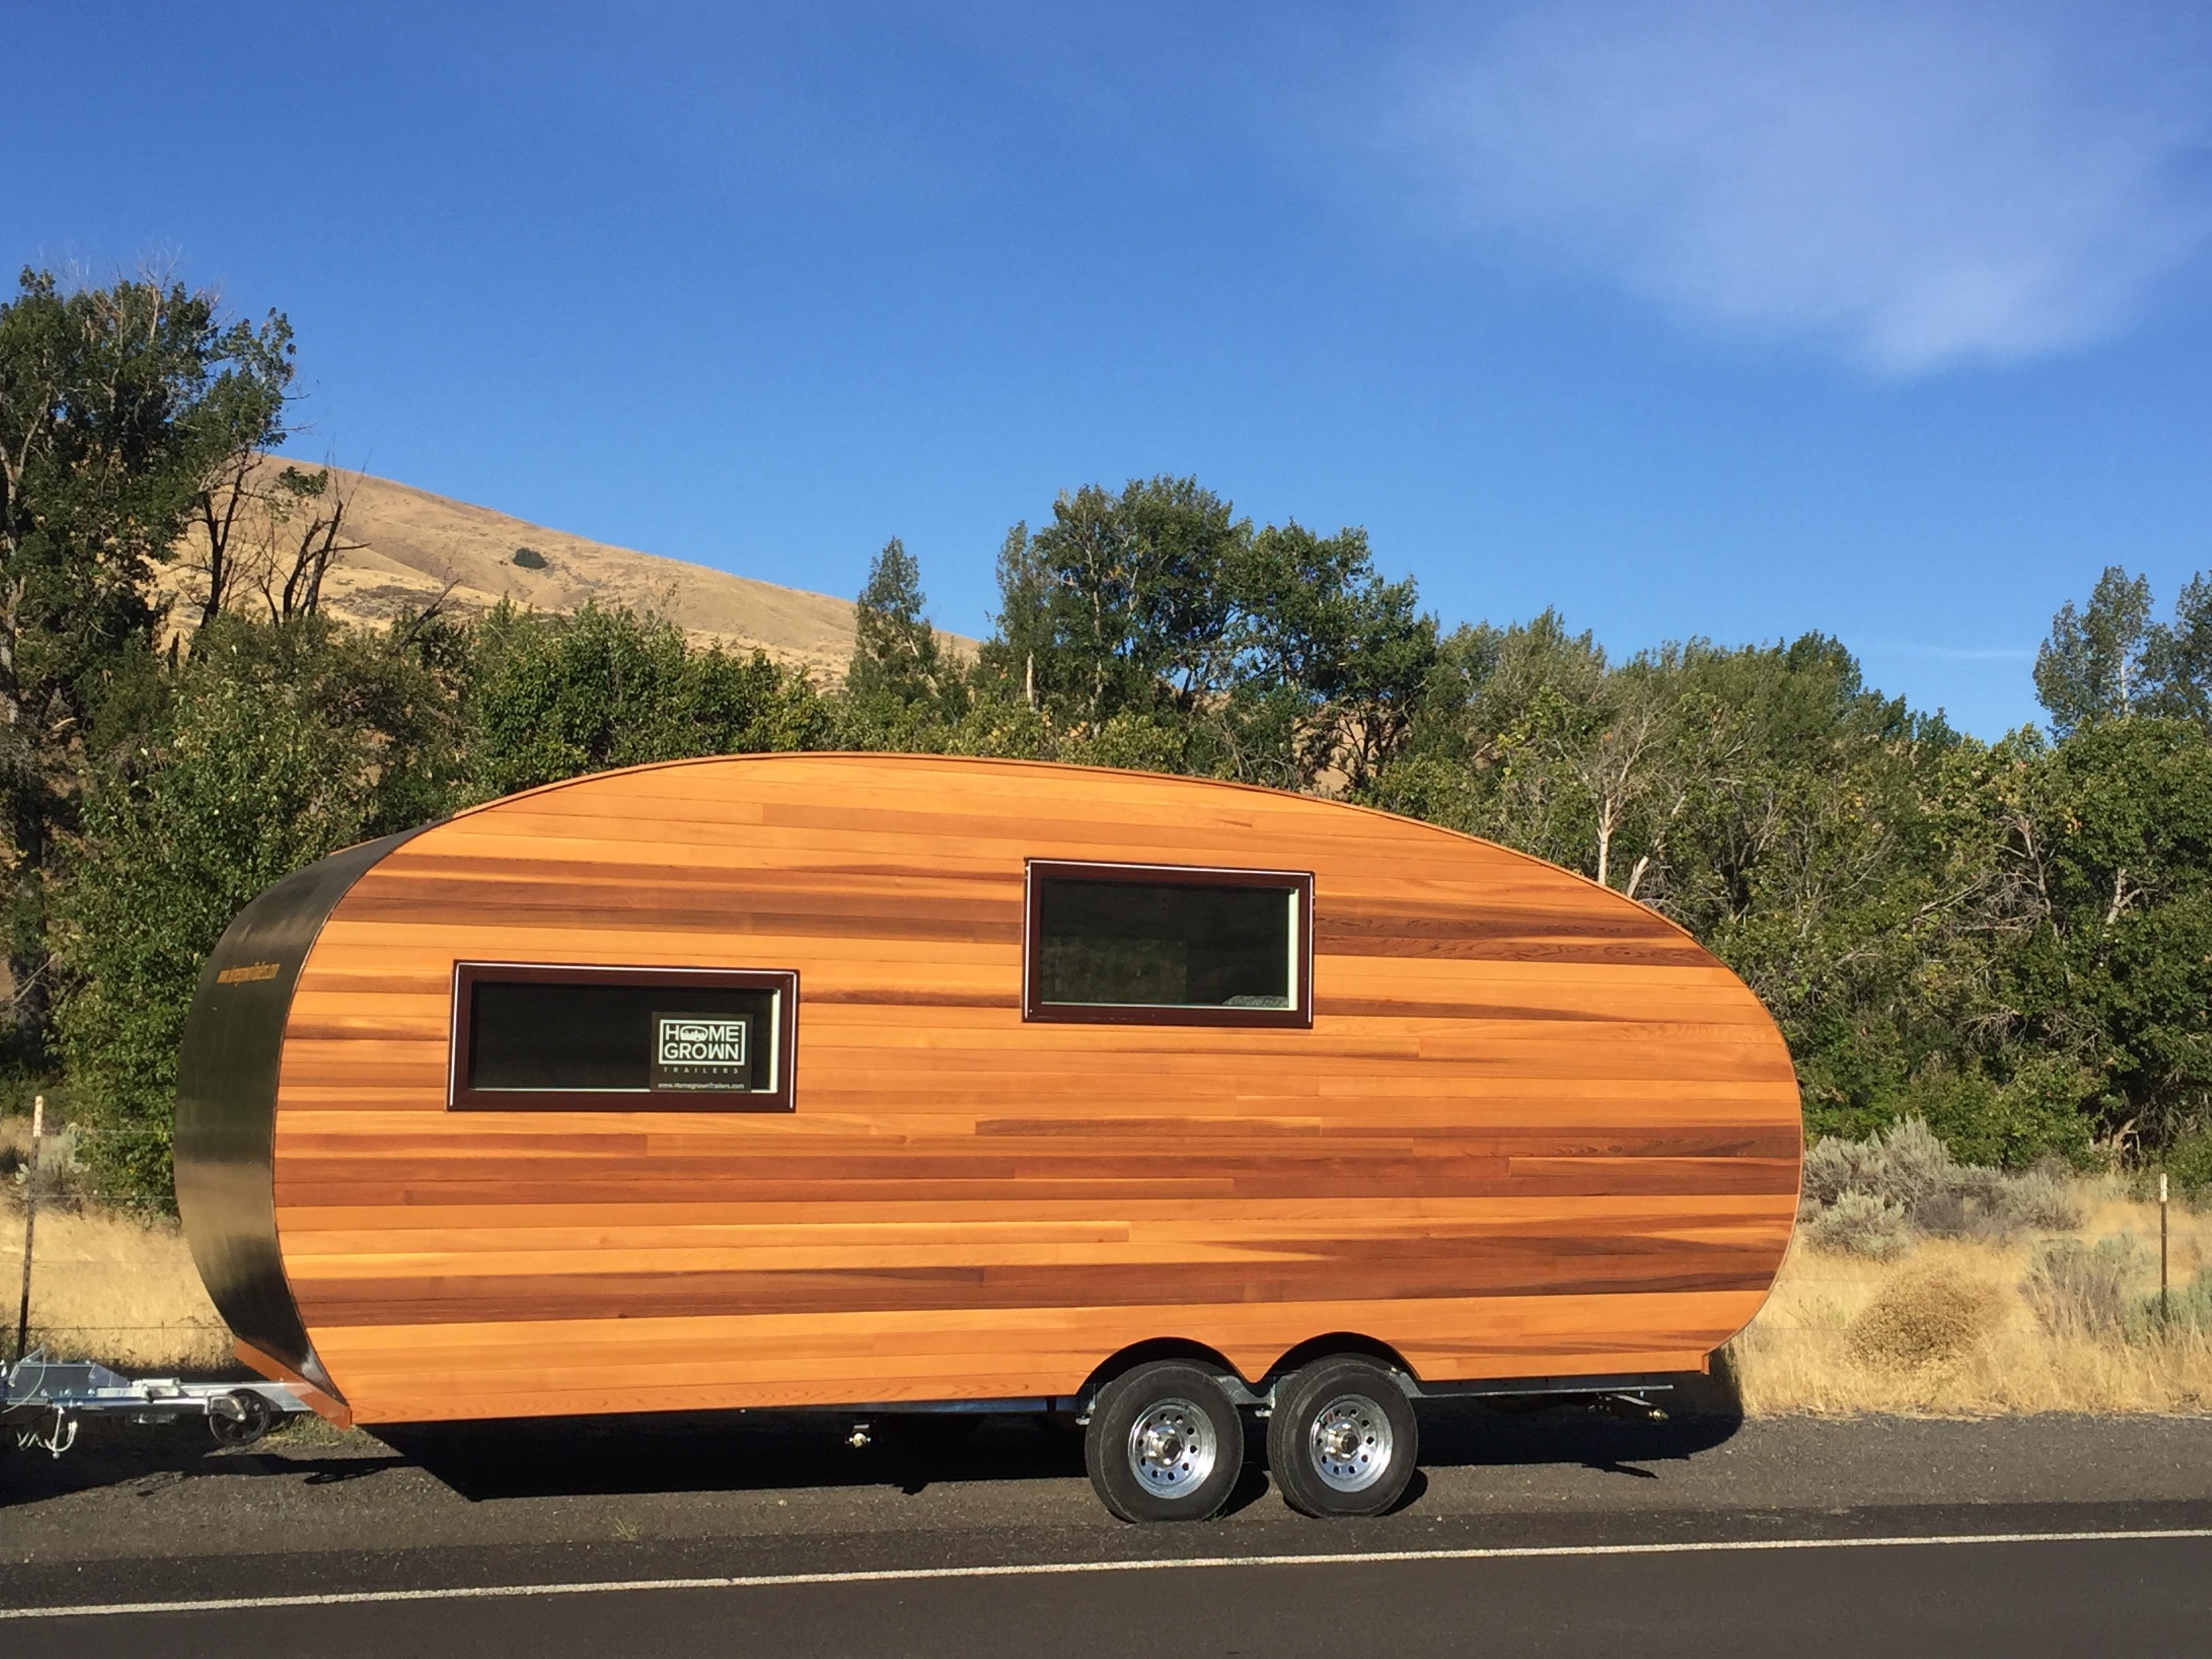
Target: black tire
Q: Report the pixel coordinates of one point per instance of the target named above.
(1165, 1443)
(256, 1417)
(1342, 1439)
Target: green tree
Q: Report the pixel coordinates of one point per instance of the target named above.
(553, 697)
(2091, 667)
(116, 404)
(1326, 662)
(1121, 605)
(895, 651)
(1506, 715)
(2115, 973)
(274, 746)
(2178, 658)
(1154, 627)
(901, 682)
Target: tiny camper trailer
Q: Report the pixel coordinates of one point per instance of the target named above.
(858, 1080)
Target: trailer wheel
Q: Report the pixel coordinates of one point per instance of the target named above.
(1163, 1444)
(1342, 1439)
(239, 1417)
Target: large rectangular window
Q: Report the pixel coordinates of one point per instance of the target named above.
(1166, 944)
(532, 1037)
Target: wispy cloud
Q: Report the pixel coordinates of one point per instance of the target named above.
(1919, 183)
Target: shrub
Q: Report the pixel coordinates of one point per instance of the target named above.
(1915, 1165)
(1859, 1223)
(1991, 1205)
(2188, 1308)
(2189, 1160)
(1910, 1169)
(531, 559)
(2038, 1201)
(1946, 1214)
(2081, 1290)
(1924, 1319)
(1903, 1167)
(1835, 1166)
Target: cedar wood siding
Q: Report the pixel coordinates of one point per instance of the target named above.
(1533, 1130)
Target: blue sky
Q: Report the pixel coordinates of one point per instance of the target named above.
(1709, 317)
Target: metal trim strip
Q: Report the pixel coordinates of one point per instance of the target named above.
(227, 1068)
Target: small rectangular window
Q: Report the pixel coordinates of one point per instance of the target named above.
(1166, 944)
(528, 1038)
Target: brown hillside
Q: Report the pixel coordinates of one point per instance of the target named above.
(416, 546)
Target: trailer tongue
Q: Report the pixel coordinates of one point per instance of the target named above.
(45, 1400)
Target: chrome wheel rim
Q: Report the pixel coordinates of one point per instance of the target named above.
(1350, 1443)
(1172, 1448)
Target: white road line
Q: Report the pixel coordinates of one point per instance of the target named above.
(1050, 1569)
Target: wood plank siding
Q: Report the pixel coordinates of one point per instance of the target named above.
(1534, 1129)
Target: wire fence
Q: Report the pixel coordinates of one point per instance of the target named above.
(103, 1286)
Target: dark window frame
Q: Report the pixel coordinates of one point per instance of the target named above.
(1298, 1016)
(459, 1097)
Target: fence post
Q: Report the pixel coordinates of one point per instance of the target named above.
(30, 1222)
(2165, 1313)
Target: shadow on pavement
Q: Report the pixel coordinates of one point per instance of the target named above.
(1701, 1412)
(148, 1456)
(725, 1451)
(1454, 1437)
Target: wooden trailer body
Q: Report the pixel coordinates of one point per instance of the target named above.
(1500, 1121)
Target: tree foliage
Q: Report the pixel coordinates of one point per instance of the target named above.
(2092, 667)
(273, 746)
(1159, 625)
(2109, 660)
(117, 405)
(2010, 941)
(902, 682)
(545, 698)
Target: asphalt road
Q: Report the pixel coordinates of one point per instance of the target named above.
(1700, 1533)
(2021, 1601)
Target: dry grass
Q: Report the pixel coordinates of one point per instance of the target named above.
(413, 548)
(1843, 1334)
(109, 1288)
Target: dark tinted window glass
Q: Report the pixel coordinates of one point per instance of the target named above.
(1171, 944)
(658, 1038)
